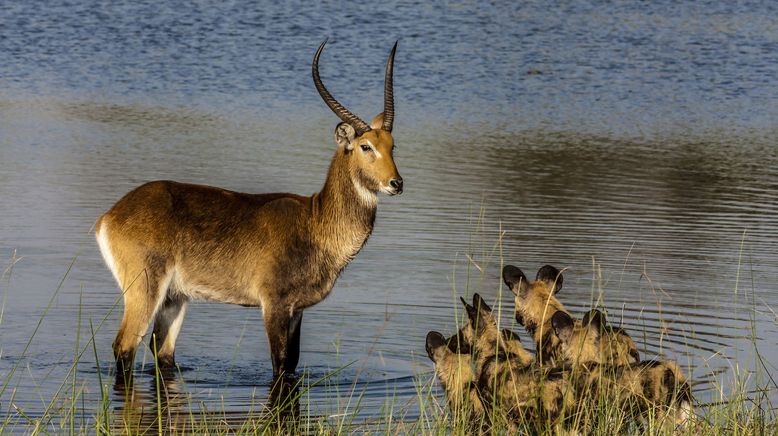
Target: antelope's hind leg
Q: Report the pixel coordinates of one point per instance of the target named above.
(145, 291)
(167, 326)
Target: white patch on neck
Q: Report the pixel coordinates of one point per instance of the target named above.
(367, 197)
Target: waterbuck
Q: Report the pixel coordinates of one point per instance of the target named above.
(167, 242)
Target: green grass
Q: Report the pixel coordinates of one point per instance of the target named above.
(78, 407)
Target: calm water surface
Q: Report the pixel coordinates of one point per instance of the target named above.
(633, 145)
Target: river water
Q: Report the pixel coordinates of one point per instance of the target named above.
(632, 144)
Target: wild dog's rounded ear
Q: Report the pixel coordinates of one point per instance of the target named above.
(344, 136)
(378, 121)
(509, 335)
(515, 279)
(595, 318)
(434, 341)
(563, 325)
(480, 304)
(457, 344)
(551, 276)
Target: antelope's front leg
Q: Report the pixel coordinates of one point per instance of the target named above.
(277, 327)
(293, 342)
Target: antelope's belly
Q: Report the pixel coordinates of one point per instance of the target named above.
(222, 288)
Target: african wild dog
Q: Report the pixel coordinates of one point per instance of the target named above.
(618, 348)
(651, 387)
(524, 393)
(456, 375)
(536, 303)
(512, 389)
(482, 334)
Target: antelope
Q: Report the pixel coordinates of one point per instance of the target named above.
(167, 243)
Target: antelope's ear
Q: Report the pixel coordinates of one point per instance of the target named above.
(515, 279)
(563, 325)
(595, 318)
(378, 122)
(344, 136)
(551, 276)
(434, 341)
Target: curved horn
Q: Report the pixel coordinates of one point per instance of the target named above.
(342, 113)
(388, 92)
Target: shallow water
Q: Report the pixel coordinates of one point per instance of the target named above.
(641, 158)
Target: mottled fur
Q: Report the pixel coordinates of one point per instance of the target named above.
(525, 393)
(512, 389)
(482, 334)
(616, 347)
(167, 243)
(578, 343)
(642, 388)
(456, 375)
(651, 388)
(536, 303)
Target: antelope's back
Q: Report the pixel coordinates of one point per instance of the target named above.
(185, 220)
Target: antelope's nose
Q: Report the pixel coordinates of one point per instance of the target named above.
(397, 185)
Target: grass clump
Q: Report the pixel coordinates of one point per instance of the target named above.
(161, 403)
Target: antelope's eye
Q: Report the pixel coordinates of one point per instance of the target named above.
(366, 147)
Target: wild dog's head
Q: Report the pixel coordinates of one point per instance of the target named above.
(482, 333)
(481, 330)
(480, 323)
(616, 346)
(454, 372)
(535, 302)
(580, 343)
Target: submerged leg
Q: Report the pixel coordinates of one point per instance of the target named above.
(293, 342)
(277, 328)
(142, 297)
(285, 400)
(167, 326)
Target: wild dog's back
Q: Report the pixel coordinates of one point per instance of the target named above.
(523, 392)
(642, 387)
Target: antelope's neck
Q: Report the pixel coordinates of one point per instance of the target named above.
(344, 211)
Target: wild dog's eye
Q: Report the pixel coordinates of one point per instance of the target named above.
(366, 147)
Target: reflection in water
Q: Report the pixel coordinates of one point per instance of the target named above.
(162, 403)
(141, 407)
